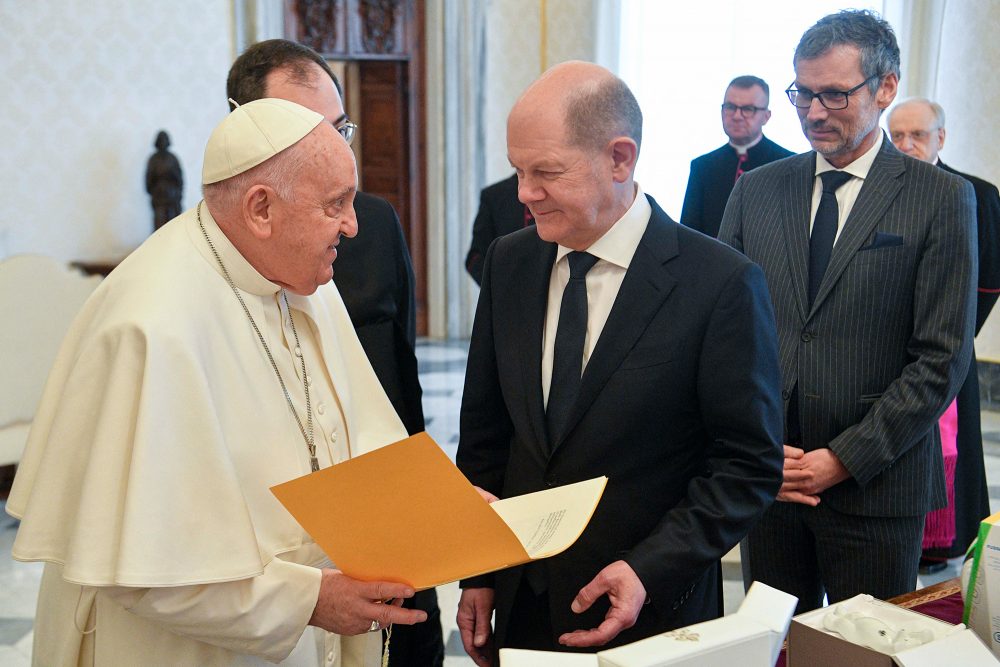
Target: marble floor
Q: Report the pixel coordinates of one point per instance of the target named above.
(442, 369)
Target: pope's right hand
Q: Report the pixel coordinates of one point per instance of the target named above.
(475, 609)
(347, 606)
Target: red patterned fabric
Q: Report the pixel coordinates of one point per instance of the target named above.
(739, 165)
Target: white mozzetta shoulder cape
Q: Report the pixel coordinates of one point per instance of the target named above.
(162, 426)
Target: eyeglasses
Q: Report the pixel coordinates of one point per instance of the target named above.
(746, 109)
(830, 99)
(347, 131)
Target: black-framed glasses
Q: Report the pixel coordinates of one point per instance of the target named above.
(746, 109)
(831, 99)
(347, 131)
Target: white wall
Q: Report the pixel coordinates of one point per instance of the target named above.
(87, 85)
(513, 58)
(969, 90)
(481, 56)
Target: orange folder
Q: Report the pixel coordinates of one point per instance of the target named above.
(404, 513)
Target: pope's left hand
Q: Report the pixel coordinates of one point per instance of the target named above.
(627, 595)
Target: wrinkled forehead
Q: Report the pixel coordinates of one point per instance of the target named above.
(343, 159)
(533, 120)
(912, 117)
(328, 157)
(837, 68)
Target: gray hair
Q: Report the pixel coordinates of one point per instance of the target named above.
(867, 31)
(278, 173)
(936, 108)
(602, 110)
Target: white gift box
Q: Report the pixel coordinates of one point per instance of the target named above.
(751, 637)
(810, 644)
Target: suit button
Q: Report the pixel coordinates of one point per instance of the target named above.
(806, 337)
(550, 481)
(785, 395)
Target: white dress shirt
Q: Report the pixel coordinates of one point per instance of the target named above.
(847, 194)
(614, 253)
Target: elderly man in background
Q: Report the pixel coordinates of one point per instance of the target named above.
(609, 340)
(916, 127)
(215, 362)
(870, 260)
(744, 114)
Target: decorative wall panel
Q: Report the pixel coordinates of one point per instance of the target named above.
(87, 88)
(513, 58)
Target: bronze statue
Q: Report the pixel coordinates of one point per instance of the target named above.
(164, 182)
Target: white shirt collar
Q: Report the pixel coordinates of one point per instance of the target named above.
(619, 243)
(860, 167)
(740, 150)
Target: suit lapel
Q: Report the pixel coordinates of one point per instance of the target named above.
(642, 293)
(795, 209)
(877, 193)
(530, 316)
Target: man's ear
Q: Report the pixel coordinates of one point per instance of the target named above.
(258, 211)
(886, 92)
(941, 137)
(624, 153)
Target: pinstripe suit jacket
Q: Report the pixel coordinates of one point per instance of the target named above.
(887, 342)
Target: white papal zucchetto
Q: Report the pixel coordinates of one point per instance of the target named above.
(253, 133)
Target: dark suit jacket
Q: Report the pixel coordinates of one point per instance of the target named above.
(972, 500)
(886, 344)
(375, 278)
(679, 406)
(499, 213)
(712, 178)
(988, 231)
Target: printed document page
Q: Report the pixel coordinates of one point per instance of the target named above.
(548, 522)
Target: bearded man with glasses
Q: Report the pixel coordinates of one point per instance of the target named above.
(870, 257)
(744, 114)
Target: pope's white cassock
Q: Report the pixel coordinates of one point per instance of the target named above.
(145, 483)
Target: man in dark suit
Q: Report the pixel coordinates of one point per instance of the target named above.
(373, 274)
(870, 259)
(916, 127)
(677, 405)
(744, 114)
(499, 213)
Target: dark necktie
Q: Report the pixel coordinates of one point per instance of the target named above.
(567, 358)
(739, 166)
(824, 229)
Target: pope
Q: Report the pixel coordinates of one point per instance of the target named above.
(216, 361)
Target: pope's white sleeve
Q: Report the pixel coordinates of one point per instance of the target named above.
(263, 615)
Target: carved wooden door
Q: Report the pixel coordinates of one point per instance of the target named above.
(380, 46)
